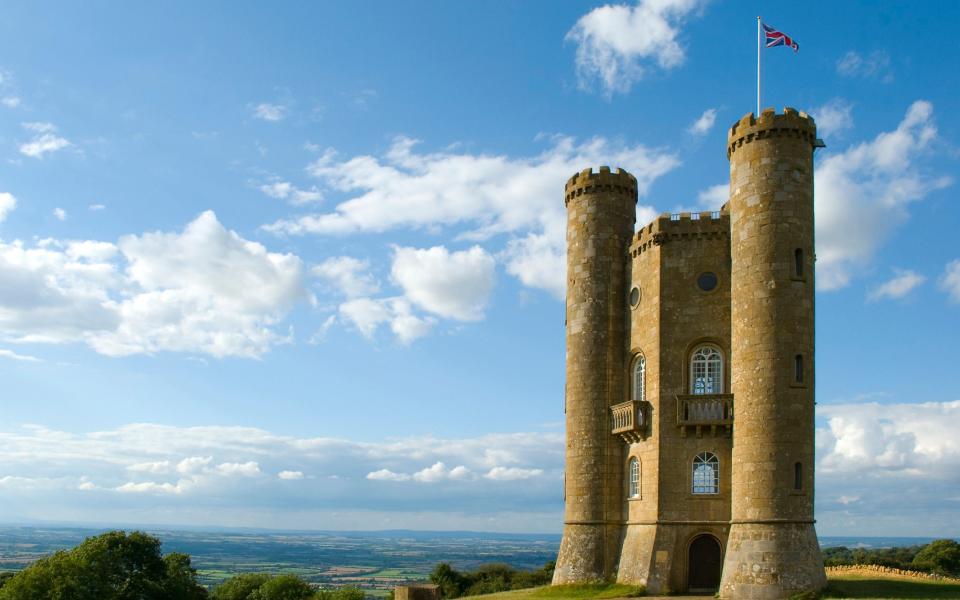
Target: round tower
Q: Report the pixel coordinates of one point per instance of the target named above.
(772, 550)
(601, 210)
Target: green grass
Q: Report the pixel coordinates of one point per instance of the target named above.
(593, 591)
(876, 586)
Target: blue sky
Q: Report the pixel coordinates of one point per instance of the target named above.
(303, 266)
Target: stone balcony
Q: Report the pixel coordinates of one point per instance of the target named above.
(630, 419)
(702, 412)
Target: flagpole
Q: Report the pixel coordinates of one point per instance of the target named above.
(758, 67)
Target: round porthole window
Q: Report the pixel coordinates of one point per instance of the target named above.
(707, 281)
(634, 297)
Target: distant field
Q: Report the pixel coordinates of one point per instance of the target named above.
(375, 562)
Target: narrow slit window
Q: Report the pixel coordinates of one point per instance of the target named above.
(797, 476)
(634, 478)
(798, 368)
(639, 379)
(798, 262)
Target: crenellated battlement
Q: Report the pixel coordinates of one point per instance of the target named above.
(588, 182)
(680, 227)
(791, 124)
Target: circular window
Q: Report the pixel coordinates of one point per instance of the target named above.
(707, 281)
(635, 297)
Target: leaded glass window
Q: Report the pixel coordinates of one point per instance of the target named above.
(634, 478)
(639, 383)
(706, 371)
(706, 474)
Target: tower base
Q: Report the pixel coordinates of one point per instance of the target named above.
(771, 561)
(588, 553)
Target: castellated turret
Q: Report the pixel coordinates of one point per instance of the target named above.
(601, 209)
(690, 371)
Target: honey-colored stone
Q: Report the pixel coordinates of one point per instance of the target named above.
(759, 315)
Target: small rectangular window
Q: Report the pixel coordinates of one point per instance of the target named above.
(798, 368)
(797, 476)
(798, 262)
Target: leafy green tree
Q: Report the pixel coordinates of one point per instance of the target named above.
(283, 587)
(452, 583)
(111, 566)
(239, 587)
(7, 575)
(939, 556)
(350, 593)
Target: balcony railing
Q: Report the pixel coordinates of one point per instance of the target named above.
(630, 420)
(705, 410)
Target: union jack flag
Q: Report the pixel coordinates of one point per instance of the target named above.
(778, 38)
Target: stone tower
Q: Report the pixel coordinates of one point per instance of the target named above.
(689, 398)
(601, 209)
(772, 550)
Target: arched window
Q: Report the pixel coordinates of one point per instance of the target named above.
(706, 474)
(798, 368)
(634, 478)
(639, 379)
(798, 262)
(706, 371)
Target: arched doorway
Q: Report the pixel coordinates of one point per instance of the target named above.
(704, 564)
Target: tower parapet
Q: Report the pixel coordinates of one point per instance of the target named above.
(601, 210)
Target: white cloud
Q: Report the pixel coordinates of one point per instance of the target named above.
(387, 475)
(870, 185)
(512, 473)
(899, 286)
(351, 276)
(11, 355)
(875, 65)
(950, 282)
(193, 464)
(432, 474)
(284, 190)
(157, 466)
(96, 207)
(489, 194)
(10, 101)
(617, 44)
(45, 140)
(704, 123)
(455, 285)
(7, 203)
(714, 196)
(833, 117)
(60, 214)
(205, 290)
(290, 475)
(368, 314)
(246, 469)
(270, 112)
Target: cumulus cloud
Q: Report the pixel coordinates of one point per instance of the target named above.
(899, 286)
(60, 214)
(455, 285)
(7, 203)
(270, 112)
(834, 117)
(714, 197)
(368, 314)
(284, 190)
(617, 44)
(11, 355)
(950, 282)
(875, 65)
(349, 275)
(486, 194)
(177, 471)
(204, 290)
(704, 123)
(863, 193)
(44, 141)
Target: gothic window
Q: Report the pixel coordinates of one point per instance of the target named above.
(639, 379)
(706, 371)
(634, 478)
(706, 474)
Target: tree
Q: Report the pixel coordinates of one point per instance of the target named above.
(939, 556)
(451, 582)
(239, 587)
(283, 587)
(112, 566)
